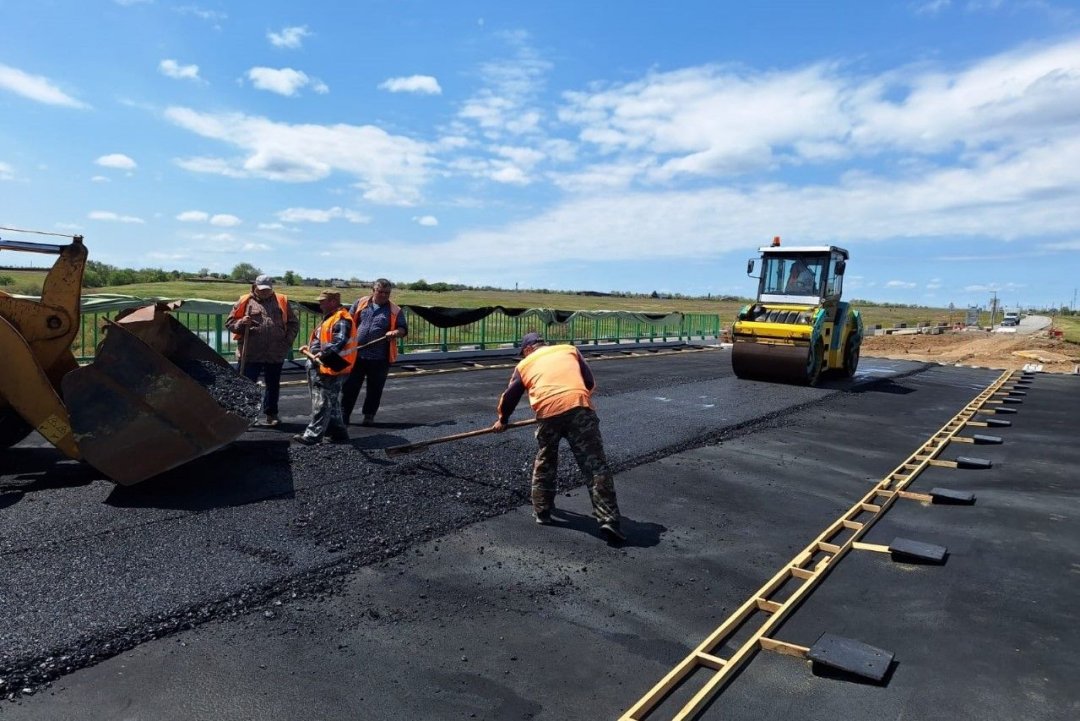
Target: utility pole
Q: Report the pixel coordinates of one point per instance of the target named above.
(993, 309)
(1074, 301)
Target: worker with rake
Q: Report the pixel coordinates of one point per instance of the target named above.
(331, 352)
(560, 385)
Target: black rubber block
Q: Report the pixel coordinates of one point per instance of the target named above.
(950, 496)
(851, 656)
(905, 549)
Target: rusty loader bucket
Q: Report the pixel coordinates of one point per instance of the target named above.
(155, 397)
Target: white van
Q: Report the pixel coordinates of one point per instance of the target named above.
(1011, 318)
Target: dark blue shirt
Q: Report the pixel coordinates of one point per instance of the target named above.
(375, 324)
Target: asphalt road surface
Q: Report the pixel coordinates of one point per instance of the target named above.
(275, 581)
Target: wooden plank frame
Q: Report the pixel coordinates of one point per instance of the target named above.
(876, 503)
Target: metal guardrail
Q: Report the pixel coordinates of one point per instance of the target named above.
(495, 331)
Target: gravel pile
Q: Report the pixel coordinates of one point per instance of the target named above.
(232, 391)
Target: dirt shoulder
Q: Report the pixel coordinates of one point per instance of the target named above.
(978, 348)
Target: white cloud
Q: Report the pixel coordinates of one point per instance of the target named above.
(129, 3)
(113, 217)
(900, 284)
(7, 172)
(116, 160)
(35, 87)
(284, 81)
(505, 105)
(428, 220)
(218, 239)
(220, 220)
(1063, 245)
(707, 121)
(214, 16)
(599, 178)
(291, 37)
(173, 69)
(271, 226)
(100, 179)
(316, 215)
(258, 247)
(423, 84)
(216, 166)
(1000, 201)
(930, 7)
(388, 168)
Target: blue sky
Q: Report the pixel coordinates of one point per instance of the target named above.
(602, 145)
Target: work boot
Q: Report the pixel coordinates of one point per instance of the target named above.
(612, 532)
(336, 438)
(368, 421)
(272, 420)
(305, 440)
(543, 518)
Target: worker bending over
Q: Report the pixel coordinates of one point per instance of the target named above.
(560, 384)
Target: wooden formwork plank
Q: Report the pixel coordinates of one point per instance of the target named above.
(777, 612)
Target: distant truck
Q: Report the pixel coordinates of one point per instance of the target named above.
(1012, 318)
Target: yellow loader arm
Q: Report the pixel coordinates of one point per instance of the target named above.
(149, 402)
(35, 341)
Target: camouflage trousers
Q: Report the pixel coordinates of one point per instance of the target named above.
(581, 429)
(325, 404)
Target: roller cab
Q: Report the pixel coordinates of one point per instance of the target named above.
(799, 328)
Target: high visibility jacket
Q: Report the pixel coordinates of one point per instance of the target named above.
(240, 309)
(395, 309)
(325, 335)
(552, 376)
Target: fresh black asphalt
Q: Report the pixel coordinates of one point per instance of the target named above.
(332, 582)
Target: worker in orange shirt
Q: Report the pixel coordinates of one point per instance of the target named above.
(560, 385)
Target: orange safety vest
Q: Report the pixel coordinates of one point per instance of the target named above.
(241, 308)
(326, 336)
(394, 310)
(552, 375)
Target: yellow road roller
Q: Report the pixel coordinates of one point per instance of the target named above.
(798, 329)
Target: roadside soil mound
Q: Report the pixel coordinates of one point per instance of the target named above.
(978, 348)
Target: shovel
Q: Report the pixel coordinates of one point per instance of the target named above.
(332, 360)
(412, 447)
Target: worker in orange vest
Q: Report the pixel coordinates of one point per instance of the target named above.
(264, 327)
(376, 318)
(560, 385)
(331, 352)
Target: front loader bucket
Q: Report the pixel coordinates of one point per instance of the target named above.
(155, 397)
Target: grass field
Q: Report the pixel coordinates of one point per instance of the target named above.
(29, 282)
(1070, 325)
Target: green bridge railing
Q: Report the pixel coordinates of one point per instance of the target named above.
(497, 330)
